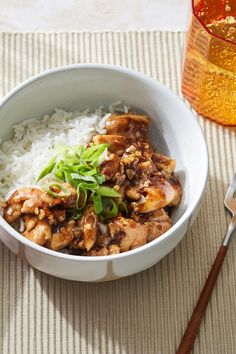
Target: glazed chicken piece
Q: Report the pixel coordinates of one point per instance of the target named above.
(102, 240)
(12, 212)
(117, 143)
(30, 222)
(134, 126)
(63, 236)
(164, 163)
(142, 150)
(130, 163)
(103, 251)
(102, 246)
(127, 233)
(157, 222)
(89, 225)
(36, 230)
(157, 228)
(137, 160)
(113, 249)
(154, 197)
(24, 201)
(159, 215)
(145, 149)
(132, 193)
(55, 216)
(35, 201)
(159, 195)
(174, 182)
(110, 167)
(146, 167)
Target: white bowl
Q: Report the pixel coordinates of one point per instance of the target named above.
(174, 131)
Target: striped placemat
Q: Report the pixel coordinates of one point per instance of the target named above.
(146, 313)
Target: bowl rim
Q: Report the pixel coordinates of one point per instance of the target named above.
(192, 205)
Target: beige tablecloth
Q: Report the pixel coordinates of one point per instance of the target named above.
(146, 313)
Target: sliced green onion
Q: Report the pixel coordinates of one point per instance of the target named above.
(82, 177)
(97, 203)
(69, 179)
(70, 150)
(81, 197)
(63, 192)
(90, 185)
(61, 148)
(78, 149)
(110, 208)
(75, 168)
(88, 172)
(98, 152)
(108, 192)
(60, 175)
(100, 178)
(85, 170)
(94, 151)
(48, 169)
(123, 208)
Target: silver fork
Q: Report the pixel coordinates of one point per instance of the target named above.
(230, 204)
(192, 329)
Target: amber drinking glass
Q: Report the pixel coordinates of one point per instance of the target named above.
(209, 75)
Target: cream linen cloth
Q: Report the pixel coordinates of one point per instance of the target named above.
(146, 313)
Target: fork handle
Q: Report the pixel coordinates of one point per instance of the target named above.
(192, 329)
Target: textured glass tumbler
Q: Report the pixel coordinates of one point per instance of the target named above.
(209, 73)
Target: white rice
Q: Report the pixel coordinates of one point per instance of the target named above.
(34, 141)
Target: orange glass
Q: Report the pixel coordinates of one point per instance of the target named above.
(209, 75)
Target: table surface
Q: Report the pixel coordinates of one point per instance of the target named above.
(32, 300)
(77, 15)
(148, 312)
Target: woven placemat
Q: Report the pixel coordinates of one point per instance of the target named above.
(146, 313)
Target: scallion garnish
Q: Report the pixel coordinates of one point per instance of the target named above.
(57, 190)
(123, 207)
(110, 209)
(79, 166)
(97, 202)
(48, 169)
(105, 191)
(82, 195)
